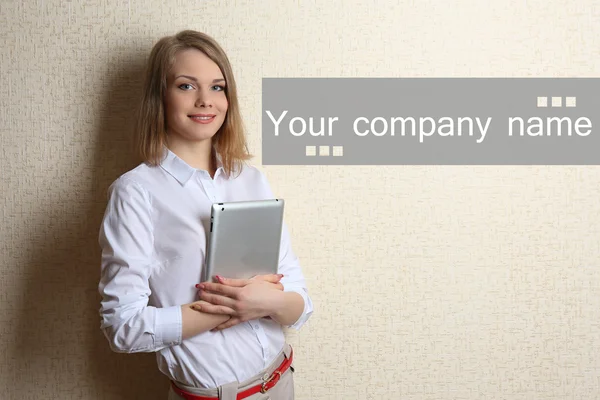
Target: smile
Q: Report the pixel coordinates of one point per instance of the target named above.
(202, 118)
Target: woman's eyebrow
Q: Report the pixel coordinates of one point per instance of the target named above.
(187, 77)
(196, 80)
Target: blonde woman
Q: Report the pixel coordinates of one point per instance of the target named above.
(213, 340)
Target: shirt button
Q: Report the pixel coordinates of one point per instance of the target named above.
(255, 327)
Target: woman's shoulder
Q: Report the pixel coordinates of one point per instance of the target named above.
(137, 179)
(251, 174)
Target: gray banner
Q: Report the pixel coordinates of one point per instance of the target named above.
(418, 121)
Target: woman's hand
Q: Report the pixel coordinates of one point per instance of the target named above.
(242, 299)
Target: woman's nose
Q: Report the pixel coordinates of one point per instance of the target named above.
(203, 99)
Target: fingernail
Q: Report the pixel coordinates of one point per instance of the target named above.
(198, 285)
(280, 275)
(220, 278)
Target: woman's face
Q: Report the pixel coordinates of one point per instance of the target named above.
(195, 101)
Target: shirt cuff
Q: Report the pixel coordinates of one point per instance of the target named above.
(308, 306)
(168, 326)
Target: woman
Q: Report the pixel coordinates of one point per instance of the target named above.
(214, 340)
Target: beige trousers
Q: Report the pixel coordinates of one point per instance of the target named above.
(284, 390)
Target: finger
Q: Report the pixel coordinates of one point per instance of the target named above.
(217, 299)
(218, 288)
(279, 286)
(197, 305)
(232, 282)
(228, 324)
(212, 308)
(272, 278)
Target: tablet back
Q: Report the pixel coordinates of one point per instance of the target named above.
(244, 239)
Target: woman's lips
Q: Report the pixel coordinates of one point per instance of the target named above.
(202, 119)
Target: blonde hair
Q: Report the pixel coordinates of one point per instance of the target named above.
(150, 128)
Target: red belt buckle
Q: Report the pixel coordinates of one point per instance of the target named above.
(276, 375)
(272, 381)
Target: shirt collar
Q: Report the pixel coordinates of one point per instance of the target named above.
(182, 171)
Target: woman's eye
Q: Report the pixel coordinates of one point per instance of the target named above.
(186, 86)
(218, 88)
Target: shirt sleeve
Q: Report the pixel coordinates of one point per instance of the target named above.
(293, 279)
(126, 239)
(289, 265)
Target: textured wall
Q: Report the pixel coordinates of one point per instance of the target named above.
(429, 282)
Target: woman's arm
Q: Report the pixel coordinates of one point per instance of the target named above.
(127, 242)
(293, 279)
(289, 309)
(248, 299)
(194, 322)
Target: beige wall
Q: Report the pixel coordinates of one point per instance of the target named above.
(429, 282)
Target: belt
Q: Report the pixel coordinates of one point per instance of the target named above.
(260, 388)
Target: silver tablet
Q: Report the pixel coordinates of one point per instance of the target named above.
(244, 239)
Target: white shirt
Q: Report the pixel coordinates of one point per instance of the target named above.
(153, 239)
